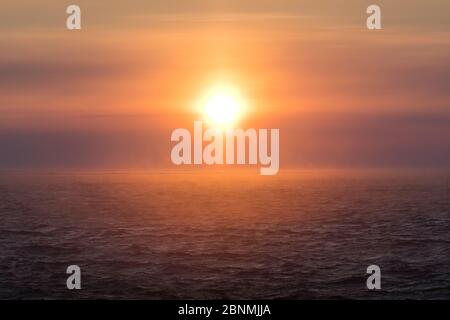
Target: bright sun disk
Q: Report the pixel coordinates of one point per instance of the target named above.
(222, 107)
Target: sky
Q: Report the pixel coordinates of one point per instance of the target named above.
(109, 95)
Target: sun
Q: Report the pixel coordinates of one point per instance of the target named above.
(222, 106)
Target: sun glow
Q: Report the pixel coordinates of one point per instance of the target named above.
(222, 107)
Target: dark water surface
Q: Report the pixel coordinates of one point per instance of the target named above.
(209, 235)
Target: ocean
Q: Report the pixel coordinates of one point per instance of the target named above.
(303, 234)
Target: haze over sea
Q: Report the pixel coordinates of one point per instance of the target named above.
(232, 234)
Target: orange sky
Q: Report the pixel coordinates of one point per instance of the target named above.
(141, 65)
